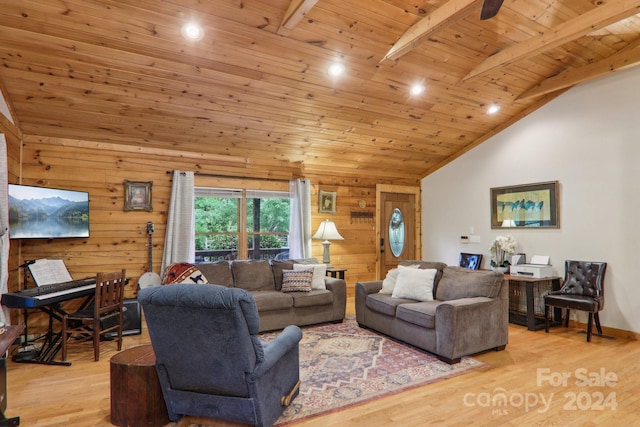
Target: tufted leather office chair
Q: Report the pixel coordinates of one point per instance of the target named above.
(470, 261)
(583, 290)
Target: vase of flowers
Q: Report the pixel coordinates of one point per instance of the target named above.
(501, 250)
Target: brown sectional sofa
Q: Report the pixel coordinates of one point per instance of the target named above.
(469, 312)
(277, 309)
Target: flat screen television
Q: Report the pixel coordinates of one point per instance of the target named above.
(47, 213)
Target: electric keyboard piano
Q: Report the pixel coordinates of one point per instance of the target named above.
(49, 299)
(49, 294)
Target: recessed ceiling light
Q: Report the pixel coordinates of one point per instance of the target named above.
(493, 109)
(192, 31)
(417, 89)
(336, 69)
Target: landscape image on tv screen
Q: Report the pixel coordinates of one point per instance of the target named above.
(47, 213)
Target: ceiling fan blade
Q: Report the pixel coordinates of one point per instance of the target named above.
(490, 8)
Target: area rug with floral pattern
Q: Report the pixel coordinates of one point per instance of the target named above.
(343, 365)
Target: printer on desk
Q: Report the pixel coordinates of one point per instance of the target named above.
(539, 268)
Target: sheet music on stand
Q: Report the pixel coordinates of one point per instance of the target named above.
(49, 271)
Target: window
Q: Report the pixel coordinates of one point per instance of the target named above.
(241, 224)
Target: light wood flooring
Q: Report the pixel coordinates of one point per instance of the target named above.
(601, 386)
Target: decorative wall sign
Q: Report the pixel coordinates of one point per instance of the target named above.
(529, 205)
(137, 196)
(327, 202)
(361, 217)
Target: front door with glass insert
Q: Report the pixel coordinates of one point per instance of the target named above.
(397, 232)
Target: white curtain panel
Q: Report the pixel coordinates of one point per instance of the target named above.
(180, 242)
(300, 219)
(4, 226)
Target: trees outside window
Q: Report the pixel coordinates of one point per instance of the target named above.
(241, 224)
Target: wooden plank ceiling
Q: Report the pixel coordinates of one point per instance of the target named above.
(256, 85)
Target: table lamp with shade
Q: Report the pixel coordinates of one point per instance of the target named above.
(327, 231)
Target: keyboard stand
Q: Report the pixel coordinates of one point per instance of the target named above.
(52, 341)
(27, 355)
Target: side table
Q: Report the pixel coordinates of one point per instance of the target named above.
(136, 396)
(337, 273)
(526, 301)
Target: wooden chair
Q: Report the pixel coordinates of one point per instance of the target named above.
(105, 316)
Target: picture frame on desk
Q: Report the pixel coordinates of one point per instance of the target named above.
(525, 206)
(137, 196)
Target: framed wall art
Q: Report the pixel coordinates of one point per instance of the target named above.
(525, 206)
(327, 202)
(137, 196)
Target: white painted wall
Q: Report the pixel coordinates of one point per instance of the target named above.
(4, 108)
(588, 139)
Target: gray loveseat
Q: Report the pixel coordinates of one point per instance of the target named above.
(469, 312)
(277, 309)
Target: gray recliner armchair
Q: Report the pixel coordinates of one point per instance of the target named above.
(209, 359)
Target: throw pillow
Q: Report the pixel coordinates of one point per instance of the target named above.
(297, 280)
(183, 272)
(416, 284)
(389, 282)
(319, 273)
(277, 266)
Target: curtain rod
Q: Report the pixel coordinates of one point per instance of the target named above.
(211, 175)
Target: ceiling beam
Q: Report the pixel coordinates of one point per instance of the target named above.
(625, 58)
(294, 14)
(447, 14)
(613, 11)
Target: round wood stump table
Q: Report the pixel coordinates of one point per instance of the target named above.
(136, 397)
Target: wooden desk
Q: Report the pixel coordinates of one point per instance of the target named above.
(526, 301)
(6, 339)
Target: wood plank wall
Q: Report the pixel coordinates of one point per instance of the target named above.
(118, 239)
(357, 252)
